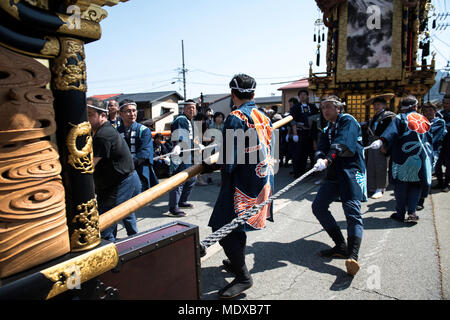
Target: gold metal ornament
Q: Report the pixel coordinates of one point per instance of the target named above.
(87, 236)
(69, 274)
(70, 76)
(82, 160)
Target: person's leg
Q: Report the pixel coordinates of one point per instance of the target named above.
(128, 189)
(400, 193)
(186, 190)
(439, 173)
(355, 228)
(109, 233)
(414, 192)
(234, 248)
(320, 207)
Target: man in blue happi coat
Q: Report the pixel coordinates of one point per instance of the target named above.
(340, 150)
(438, 131)
(182, 137)
(410, 141)
(444, 155)
(247, 179)
(140, 142)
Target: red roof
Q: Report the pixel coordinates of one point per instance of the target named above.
(302, 83)
(106, 96)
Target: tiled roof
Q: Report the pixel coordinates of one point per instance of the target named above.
(302, 83)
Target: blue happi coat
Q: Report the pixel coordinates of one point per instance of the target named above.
(140, 141)
(438, 131)
(247, 172)
(342, 142)
(182, 133)
(410, 141)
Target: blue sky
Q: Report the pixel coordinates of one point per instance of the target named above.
(140, 48)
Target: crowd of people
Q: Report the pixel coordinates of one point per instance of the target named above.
(403, 148)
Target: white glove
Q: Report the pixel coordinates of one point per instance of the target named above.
(202, 147)
(295, 138)
(320, 165)
(176, 150)
(287, 138)
(167, 161)
(376, 145)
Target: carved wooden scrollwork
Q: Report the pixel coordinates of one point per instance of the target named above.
(33, 226)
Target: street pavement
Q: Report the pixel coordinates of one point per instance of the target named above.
(399, 261)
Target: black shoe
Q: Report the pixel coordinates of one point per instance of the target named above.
(186, 205)
(336, 252)
(177, 213)
(445, 189)
(352, 265)
(438, 186)
(420, 207)
(396, 217)
(235, 288)
(340, 250)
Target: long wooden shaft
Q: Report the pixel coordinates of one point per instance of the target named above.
(141, 200)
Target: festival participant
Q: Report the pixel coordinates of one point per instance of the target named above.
(340, 149)
(409, 139)
(115, 179)
(245, 183)
(183, 138)
(113, 113)
(438, 132)
(377, 162)
(140, 142)
(302, 135)
(444, 156)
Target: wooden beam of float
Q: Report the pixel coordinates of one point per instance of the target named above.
(118, 213)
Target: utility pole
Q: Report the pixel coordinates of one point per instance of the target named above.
(184, 69)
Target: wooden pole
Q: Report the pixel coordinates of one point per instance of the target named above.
(141, 200)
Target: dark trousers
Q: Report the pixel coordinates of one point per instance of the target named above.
(234, 247)
(329, 192)
(443, 180)
(128, 188)
(181, 193)
(302, 150)
(407, 196)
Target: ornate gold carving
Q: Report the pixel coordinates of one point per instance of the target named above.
(33, 226)
(69, 68)
(81, 269)
(82, 160)
(94, 13)
(51, 47)
(42, 4)
(87, 236)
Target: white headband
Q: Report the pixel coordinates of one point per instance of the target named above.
(252, 89)
(128, 104)
(415, 103)
(338, 103)
(97, 108)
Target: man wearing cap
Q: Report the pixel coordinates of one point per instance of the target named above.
(444, 156)
(246, 180)
(438, 131)
(410, 141)
(182, 137)
(115, 179)
(140, 142)
(377, 162)
(302, 135)
(340, 150)
(113, 113)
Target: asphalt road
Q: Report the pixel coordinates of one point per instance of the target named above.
(398, 261)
